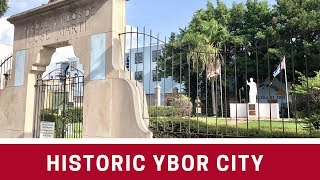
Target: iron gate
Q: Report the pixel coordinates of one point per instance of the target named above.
(59, 101)
(203, 92)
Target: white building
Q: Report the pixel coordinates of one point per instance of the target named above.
(142, 63)
(277, 92)
(74, 83)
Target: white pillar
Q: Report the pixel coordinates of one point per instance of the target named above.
(158, 95)
(252, 99)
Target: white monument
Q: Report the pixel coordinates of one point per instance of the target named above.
(254, 110)
(253, 91)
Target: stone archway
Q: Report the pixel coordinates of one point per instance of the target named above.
(92, 27)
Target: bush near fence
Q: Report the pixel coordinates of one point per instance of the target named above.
(313, 123)
(162, 111)
(175, 127)
(182, 106)
(71, 116)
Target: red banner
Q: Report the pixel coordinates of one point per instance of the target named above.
(159, 161)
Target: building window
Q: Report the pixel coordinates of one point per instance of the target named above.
(139, 57)
(156, 55)
(127, 60)
(154, 75)
(73, 65)
(139, 76)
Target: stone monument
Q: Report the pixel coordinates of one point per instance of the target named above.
(252, 92)
(113, 105)
(252, 109)
(252, 106)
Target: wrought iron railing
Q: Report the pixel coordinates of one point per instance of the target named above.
(204, 93)
(59, 100)
(5, 71)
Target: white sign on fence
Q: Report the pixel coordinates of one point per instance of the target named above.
(47, 129)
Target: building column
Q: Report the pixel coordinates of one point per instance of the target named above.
(158, 95)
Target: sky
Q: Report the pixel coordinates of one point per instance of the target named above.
(166, 16)
(162, 16)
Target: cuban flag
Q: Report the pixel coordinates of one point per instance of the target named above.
(281, 67)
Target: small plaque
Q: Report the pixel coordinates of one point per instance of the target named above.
(252, 113)
(198, 110)
(47, 129)
(252, 107)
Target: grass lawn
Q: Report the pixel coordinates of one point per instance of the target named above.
(273, 125)
(222, 127)
(74, 131)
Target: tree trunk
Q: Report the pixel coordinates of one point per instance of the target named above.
(213, 94)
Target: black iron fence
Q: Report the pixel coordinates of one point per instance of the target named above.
(59, 100)
(5, 72)
(266, 89)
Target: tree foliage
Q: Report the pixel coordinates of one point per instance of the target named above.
(307, 95)
(308, 84)
(3, 7)
(262, 33)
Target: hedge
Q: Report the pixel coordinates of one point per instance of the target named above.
(179, 128)
(162, 111)
(71, 116)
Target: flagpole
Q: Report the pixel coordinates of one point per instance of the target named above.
(287, 93)
(221, 92)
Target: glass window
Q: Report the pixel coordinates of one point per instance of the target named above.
(127, 60)
(154, 75)
(73, 65)
(156, 55)
(139, 57)
(139, 76)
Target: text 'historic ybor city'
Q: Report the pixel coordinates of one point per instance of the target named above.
(159, 163)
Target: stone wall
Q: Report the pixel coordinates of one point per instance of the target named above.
(112, 103)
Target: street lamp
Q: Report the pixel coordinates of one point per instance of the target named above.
(65, 67)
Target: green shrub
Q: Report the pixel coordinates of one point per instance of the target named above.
(49, 117)
(190, 128)
(313, 123)
(183, 104)
(162, 111)
(74, 115)
(71, 116)
(307, 95)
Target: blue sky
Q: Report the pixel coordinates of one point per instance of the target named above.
(162, 16)
(166, 16)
